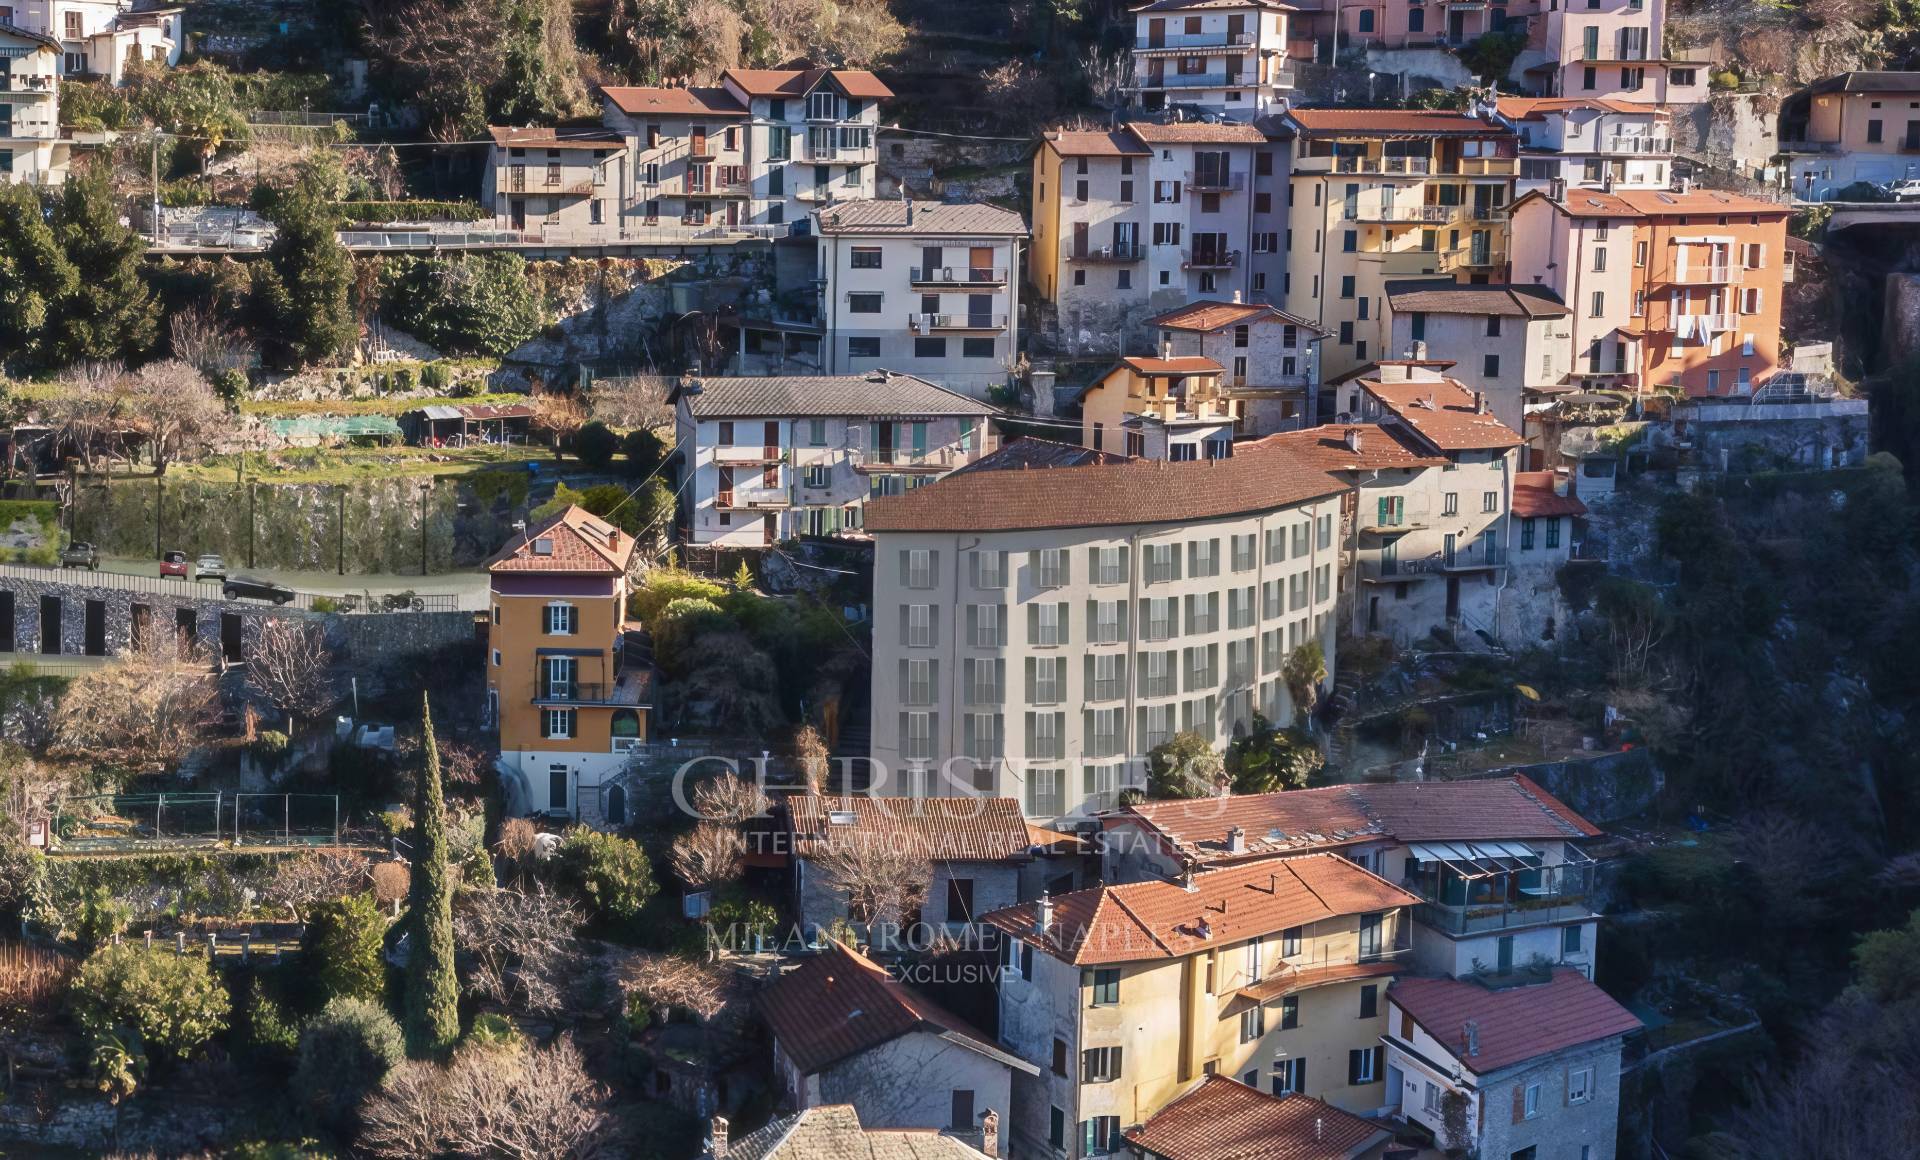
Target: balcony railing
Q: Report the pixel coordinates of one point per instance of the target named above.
(1713, 274)
(28, 84)
(1473, 559)
(1560, 894)
(1203, 80)
(1209, 259)
(1473, 257)
(1637, 145)
(586, 693)
(1400, 213)
(907, 459)
(1382, 165)
(747, 454)
(1215, 182)
(1484, 167)
(1193, 40)
(927, 322)
(957, 275)
(1124, 252)
(750, 498)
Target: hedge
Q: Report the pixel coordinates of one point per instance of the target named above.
(383, 212)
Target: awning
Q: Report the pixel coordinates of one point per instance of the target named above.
(1478, 859)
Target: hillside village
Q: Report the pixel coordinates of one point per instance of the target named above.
(750, 579)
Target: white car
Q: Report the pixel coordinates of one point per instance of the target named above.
(1908, 190)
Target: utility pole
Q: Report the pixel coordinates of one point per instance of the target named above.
(340, 563)
(159, 233)
(425, 490)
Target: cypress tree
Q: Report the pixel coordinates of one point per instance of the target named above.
(433, 995)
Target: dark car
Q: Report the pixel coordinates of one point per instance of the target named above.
(252, 588)
(80, 554)
(173, 564)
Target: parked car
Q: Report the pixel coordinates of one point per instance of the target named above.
(253, 588)
(210, 567)
(80, 554)
(1907, 190)
(173, 564)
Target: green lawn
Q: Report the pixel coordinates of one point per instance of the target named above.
(388, 406)
(348, 464)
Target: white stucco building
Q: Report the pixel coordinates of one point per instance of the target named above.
(1590, 142)
(1512, 344)
(1224, 57)
(31, 149)
(102, 37)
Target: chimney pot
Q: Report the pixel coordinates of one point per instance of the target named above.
(719, 1145)
(990, 1133)
(1236, 297)
(1044, 917)
(1236, 841)
(1166, 349)
(1479, 403)
(1353, 438)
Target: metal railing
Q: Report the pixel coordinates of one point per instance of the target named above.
(1648, 146)
(957, 275)
(1472, 257)
(1473, 558)
(1209, 259)
(1204, 80)
(1713, 274)
(1383, 165)
(579, 693)
(1215, 182)
(748, 454)
(1193, 40)
(755, 497)
(926, 322)
(1124, 252)
(1400, 213)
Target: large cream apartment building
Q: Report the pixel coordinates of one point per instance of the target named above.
(1131, 223)
(1222, 57)
(1382, 194)
(1054, 625)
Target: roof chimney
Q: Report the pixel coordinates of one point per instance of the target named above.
(1420, 350)
(1043, 916)
(1353, 438)
(1236, 297)
(1470, 1032)
(990, 1133)
(1236, 841)
(909, 211)
(1479, 403)
(1557, 189)
(717, 1147)
(1186, 879)
(1166, 349)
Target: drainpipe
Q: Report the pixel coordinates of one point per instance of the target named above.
(956, 701)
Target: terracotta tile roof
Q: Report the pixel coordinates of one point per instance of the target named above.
(1380, 448)
(1028, 452)
(1516, 1024)
(551, 138)
(1103, 495)
(833, 1132)
(1140, 921)
(1445, 296)
(945, 829)
(1661, 203)
(1443, 414)
(1534, 495)
(575, 540)
(696, 101)
(1882, 81)
(1224, 1119)
(874, 216)
(781, 82)
(1293, 980)
(839, 1004)
(1184, 365)
(1331, 817)
(1492, 809)
(1591, 203)
(1118, 143)
(1391, 123)
(1536, 108)
(1207, 316)
(1179, 5)
(1197, 133)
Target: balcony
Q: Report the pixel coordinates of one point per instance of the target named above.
(745, 454)
(1215, 182)
(1385, 166)
(957, 276)
(1480, 887)
(1174, 41)
(1637, 146)
(850, 143)
(925, 323)
(1202, 80)
(1124, 252)
(1484, 167)
(1396, 569)
(1473, 559)
(902, 459)
(1401, 213)
(1473, 258)
(627, 691)
(1712, 274)
(31, 86)
(753, 499)
(1209, 259)
(703, 148)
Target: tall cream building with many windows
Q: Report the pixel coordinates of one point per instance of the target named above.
(1036, 635)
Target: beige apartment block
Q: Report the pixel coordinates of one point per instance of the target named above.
(1511, 344)
(1227, 58)
(1125, 996)
(1590, 142)
(32, 151)
(1383, 194)
(772, 458)
(923, 288)
(1857, 126)
(1057, 623)
(573, 179)
(1145, 219)
(1160, 408)
(1270, 359)
(1610, 48)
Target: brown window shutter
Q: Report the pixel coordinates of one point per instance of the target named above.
(1519, 1102)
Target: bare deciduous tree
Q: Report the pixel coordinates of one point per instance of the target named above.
(519, 1103)
(140, 712)
(304, 879)
(663, 982)
(729, 798)
(204, 339)
(631, 401)
(1107, 74)
(521, 946)
(391, 883)
(708, 854)
(884, 881)
(84, 412)
(292, 667)
(559, 415)
(174, 406)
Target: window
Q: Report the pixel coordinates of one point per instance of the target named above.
(1109, 565)
(1057, 1128)
(864, 302)
(1059, 1056)
(1369, 1001)
(916, 736)
(1046, 684)
(1100, 1135)
(1449, 506)
(919, 681)
(1046, 792)
(1105, 984)
(1489, 501)
(1873, 131)
(1253, 1024)
(557, 723)
(1047, 624)
(1526, 534)
(1253, 961)
(562, 619)
(1553, 532)
(1162, 563)
(989, 569)
(1570, 940)
(984, 679)
(73, 27)
(919, 625)
(1289, 1075)
(1346, 285)
(916, 567)
(1289, 1012)
(1203, 558)
(865, 258)
(1099, 1065)
(1050, 567)
(982, 736)
(1490, 366)
(929, 347)
(1290, 942)
(1580, 1085)
(863, 348)
(1530, 1101)
(1363, 1065)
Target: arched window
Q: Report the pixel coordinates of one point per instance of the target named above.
(616, 806)
(626, 723)
(1366, 20)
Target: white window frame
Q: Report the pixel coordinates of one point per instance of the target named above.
(1579, 1085)
(568, 620)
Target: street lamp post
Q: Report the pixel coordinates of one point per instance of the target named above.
(426, 489)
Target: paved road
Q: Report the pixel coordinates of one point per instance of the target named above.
(469, 587)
